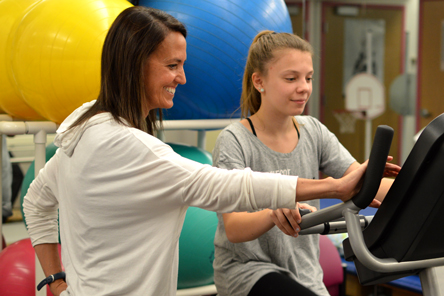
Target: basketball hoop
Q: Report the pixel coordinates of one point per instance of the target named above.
(365, 96)
(346, 121)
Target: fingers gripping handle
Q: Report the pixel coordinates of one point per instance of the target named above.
(371, 182)
(302, 212)
(375, 170)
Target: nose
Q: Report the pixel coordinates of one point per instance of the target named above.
(181, 79)
(304, 86)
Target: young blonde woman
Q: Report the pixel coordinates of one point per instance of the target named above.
(252, 256)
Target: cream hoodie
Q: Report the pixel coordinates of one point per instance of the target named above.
(122, 196)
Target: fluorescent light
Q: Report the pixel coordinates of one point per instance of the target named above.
(347, 10)
(293, 10)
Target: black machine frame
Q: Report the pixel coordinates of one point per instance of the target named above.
(404, 237)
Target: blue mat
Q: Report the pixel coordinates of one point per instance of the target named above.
(329, 202)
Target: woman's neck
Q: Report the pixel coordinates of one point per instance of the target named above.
(276, 132)
(273, 125)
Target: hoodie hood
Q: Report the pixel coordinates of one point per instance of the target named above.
(67, 139)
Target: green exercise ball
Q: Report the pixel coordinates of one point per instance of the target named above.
(29, 177)
(196, 242)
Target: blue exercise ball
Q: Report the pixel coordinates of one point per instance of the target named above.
(219, 36)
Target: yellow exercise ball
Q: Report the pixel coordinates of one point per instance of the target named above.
(57, 52)
(11, 101)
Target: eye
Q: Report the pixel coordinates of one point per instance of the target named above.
(172, 66)
(309, 79)
(290, 79)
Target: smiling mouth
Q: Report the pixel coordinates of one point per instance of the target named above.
(171, 90)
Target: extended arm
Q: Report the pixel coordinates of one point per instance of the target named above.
(242, 227)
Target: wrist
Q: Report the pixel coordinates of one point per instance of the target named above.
(57, 283)
(334, 186)
(51, 279)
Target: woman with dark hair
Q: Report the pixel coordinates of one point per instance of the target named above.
(122, 194)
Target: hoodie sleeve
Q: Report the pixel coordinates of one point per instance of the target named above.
(40, 206)
(239, 190)
(224, 190)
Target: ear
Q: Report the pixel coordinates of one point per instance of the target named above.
(256, 78)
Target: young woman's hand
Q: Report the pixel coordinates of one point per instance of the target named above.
(287, 220)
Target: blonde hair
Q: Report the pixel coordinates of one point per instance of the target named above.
(262, 52)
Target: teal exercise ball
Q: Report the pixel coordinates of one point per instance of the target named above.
(196, 242)
(196, 249)
(219, 36)
(29, 177)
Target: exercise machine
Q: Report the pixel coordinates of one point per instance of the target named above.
(404, 236)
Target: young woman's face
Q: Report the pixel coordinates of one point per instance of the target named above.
(164, 72)
(288, 82)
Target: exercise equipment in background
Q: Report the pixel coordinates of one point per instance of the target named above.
(11, 100)
(196, 242)
(219, 36)
(51, 57)
(50, 64)
(17, 270)
(29, 177)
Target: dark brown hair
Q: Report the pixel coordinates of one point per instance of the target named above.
(262, 52)
(132, 38)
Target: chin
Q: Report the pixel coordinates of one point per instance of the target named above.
(297, 112)
(168, 106)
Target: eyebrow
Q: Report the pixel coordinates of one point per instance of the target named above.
(173, 60)
(297, 72)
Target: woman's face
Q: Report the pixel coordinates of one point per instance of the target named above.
(164, 72)
(288, 82)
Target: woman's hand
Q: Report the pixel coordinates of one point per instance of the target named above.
(375, 203)
(351, 182)
(287, 220)
(356, 170)
(307, 206)
(391, 169)
(57, 287)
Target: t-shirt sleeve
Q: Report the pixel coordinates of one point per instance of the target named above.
(228, 152)
(335, 159)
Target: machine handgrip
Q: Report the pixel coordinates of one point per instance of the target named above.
(375, 170)
(304, 211)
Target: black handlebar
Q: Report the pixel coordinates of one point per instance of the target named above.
(376, 164)
(372, 180)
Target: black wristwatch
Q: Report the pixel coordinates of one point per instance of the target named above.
(50, 279)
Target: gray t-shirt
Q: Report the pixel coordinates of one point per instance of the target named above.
(238, 266)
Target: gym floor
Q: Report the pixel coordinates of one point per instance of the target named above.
(14, 229)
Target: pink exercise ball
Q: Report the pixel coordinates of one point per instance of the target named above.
(17, 269)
